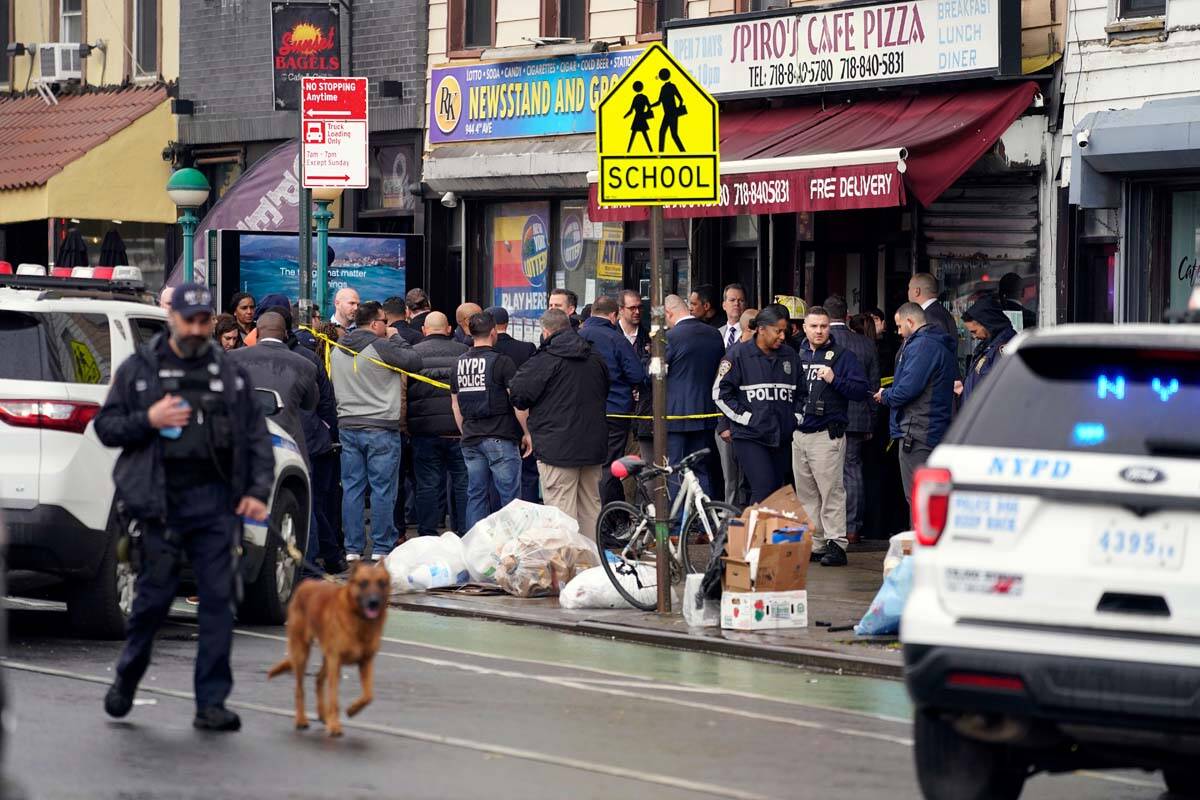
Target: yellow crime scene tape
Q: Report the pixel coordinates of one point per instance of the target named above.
(440, 385)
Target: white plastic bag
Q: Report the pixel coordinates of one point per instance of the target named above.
(593, 589)
(543, 560)
(427, 562)
(482, 544)
(698, 610)
(899, 546)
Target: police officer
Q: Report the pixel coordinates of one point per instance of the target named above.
(755, 389)
(832, 378)
(195, 456)
(494, 434)
(991, 329)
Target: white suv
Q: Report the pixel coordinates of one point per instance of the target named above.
(1054, 620)
(61, 341)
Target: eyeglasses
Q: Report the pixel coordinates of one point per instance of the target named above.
(633, 308)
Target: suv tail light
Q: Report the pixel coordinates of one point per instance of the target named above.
(55, 415)
(930, 503)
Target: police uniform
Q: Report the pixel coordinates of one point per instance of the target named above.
(819, 445)
(491, 435)
(756, 391)
(182, 485)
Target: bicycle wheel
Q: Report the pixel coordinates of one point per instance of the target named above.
(623, 537)
(696, 549)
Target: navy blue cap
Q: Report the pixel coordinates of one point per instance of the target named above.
(499, 314)
(191, 299)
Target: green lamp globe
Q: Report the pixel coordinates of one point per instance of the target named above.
(188, 188)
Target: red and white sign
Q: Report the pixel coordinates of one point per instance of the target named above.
(821, 189)
(333, 114)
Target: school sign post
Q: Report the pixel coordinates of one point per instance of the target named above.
(658, 144)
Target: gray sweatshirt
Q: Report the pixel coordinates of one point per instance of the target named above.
(371, 396)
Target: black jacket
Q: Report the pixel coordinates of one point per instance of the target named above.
(430, 412)
(989, 313)
(270, 365)
(406, 332)
(321, 425)
(849, 384)
(518, 351)
(757, 393)
(937, 316)
(861, 414)
(564, 387)
(124, 422)
(694, 350)
(625, 371)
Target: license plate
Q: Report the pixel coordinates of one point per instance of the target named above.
(1140, 546)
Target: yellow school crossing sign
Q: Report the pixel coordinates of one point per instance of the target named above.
(656, 133)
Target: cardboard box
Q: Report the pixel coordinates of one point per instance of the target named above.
(764, 611)
(783, 567)
(738, 576)
(757, 522)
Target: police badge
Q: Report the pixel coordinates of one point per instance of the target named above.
(724, 368)
(829, 354)
(787, 368)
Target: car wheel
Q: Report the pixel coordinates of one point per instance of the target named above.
(266, 599)
(100, 606)
(953, 767)
(1182, 781)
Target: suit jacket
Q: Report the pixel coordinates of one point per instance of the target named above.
(694, 352)
(861, 413)
(724, 330)
(271, 365)
(518, 351)
(937, 316)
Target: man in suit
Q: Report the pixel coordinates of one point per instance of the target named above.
(733, 303)
(694, 352)
(519, 352)
(923, 290)
(629, 320)
(860, 413)
(702, 305)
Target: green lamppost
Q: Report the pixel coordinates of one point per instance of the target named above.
(323, 196)
(188, 189)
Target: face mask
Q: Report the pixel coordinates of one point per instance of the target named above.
(191, 346)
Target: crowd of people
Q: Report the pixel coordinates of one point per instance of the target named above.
(414, 417)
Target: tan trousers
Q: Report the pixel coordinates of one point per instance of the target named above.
(817, 463)
(575, 491)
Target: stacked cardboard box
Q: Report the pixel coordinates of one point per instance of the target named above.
(766, 566)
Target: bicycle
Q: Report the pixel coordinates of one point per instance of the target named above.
(625, 533)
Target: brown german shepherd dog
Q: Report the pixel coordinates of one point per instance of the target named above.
(347, 623)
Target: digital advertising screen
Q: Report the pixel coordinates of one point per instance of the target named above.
(375, 265)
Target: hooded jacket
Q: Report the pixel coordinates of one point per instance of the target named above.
(430, 412)
(369, 395)
(988, 312)
(625, 372)
(565, 388)
(922, 395)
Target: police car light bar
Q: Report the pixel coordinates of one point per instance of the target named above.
(31, 269)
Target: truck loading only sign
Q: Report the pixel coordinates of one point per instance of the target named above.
(333, 119)
(656, 134)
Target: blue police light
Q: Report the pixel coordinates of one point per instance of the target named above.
(1114, 387)
(1088, 434)
(1165, 390)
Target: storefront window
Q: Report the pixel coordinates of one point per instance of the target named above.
(589, 257)
(1014, 283)
(391, 173)
(516, 255)
(1185, 247)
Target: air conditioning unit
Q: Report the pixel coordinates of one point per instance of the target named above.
(59, 62)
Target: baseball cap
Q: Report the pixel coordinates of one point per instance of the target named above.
(499, 314)
(191, 299)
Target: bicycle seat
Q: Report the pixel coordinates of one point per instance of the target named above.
(626, 467)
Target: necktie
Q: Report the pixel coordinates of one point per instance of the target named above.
(731, 338)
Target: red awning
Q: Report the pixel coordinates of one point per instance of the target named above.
(944, 133)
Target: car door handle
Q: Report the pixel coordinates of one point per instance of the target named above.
(1148, 605)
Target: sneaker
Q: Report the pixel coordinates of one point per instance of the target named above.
(834, 556)
(118, 701)
(352, 557)
(216, 718)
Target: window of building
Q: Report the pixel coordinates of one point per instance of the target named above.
(565, 18)
(5, 38)
(652, 14)
(145, 36)
(1141, 8)
(759, 5)
(70, 21)
(471, 25)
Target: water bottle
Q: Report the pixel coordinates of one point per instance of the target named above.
(175, 432)
(430, 576)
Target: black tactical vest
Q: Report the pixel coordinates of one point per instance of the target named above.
(203, 452)
(480, 395)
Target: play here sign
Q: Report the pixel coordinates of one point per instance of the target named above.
(656, 134)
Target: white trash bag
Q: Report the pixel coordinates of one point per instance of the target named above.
(698, 610)
(593, 589)
(543, 560)
(899, 546)
(482, 544)
(427, 562)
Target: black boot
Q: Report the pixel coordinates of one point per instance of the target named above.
(834, 556)
(216, 718)
(118, 700)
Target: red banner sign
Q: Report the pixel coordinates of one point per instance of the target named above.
(824, 189)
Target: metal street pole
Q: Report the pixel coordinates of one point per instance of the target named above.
(188, 222)
(323, 215)
(306, 279)
(658, 373)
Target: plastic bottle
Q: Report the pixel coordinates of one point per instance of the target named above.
(430, 576)
(175, 432)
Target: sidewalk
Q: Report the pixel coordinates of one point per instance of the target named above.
(838, 596)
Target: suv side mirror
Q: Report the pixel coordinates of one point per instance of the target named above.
(269, 401)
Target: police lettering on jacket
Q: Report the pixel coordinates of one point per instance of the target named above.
(480, 392)
(757, 392)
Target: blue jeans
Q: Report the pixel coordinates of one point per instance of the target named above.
(369, 456)
(491, 461)
(435, 458)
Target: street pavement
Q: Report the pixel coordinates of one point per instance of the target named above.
(469, 708)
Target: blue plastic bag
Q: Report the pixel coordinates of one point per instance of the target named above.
(883, 617)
